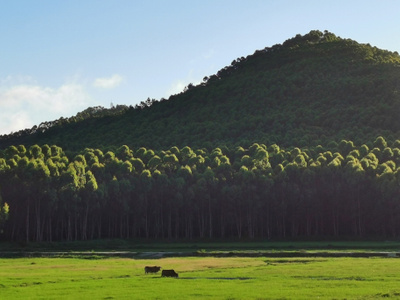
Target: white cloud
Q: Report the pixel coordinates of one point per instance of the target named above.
(23, 106)
(176, 88)
(179, 85)
(108, 83)
(14, 122)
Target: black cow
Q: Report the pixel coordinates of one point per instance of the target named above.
(154, 269)
(169, 273)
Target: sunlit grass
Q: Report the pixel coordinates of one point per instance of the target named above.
(201, 278)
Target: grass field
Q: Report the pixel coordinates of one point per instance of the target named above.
(200, 278)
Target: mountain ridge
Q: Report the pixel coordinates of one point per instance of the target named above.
(317, 86)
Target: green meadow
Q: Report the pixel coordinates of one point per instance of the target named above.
(200, 278)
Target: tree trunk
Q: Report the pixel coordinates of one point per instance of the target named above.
(38, 231)
(69, 229)
(127, 226)
(27, 224)
(85, 222)
(210, 219)
(177, 227)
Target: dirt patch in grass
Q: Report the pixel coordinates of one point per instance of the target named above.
(351, 278)
(293, 261)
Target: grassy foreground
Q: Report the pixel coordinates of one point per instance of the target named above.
(201, 278)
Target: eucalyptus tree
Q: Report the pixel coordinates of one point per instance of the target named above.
(197, 163)
(293, 193)
(162, 193)
(175, 203)
(154, 162)
(211, 182)
(387, 154)
(15, 190)
(261, 159)
(4, 211)
(35, 151)
(204, 190)
(11, 151)
(137, 164)
(380, 143)
(72, 180)
(39, 175)
(149, 154)
(249, 203)
(389, 189)
(145, 187)
(124, 152)
(280, 201)
(233, 215)
(186, 154)
(310, 207)
(140, 152)
(88, 195)
(170, 163)
(369, 163)
(334, 193)
(364, 150)
(345, 147)
(114, 211)
(21, 150)
(202, 195)
(46, 150)
(355, 179)
(90, 157)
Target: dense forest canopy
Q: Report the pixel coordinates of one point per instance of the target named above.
(297, 140)
(261, 191)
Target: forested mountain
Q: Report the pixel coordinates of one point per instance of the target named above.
(310, 90)
(297, 140)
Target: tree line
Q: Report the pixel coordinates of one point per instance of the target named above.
(258, 191)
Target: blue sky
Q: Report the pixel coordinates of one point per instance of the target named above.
(59, 57)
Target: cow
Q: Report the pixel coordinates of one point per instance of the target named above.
(154, 269)
(169, 273)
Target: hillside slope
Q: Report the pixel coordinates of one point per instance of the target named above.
(310, 90)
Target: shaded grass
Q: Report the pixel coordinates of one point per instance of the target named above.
(200, 246)
(99, 249)
(201, 278)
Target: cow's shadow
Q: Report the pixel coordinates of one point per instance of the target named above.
(216, 278)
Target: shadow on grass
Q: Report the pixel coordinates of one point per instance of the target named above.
(217, 278)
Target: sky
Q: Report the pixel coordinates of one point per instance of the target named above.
(59, 57)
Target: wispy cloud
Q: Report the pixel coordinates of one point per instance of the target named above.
(108, 82)
(12, 122)
(176, 87)
(25, 105)
(179, 85)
